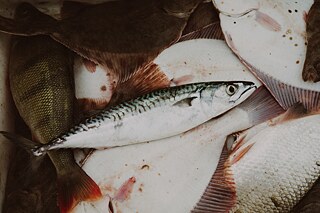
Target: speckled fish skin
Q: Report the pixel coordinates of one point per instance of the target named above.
(311, 69)
(179, 108)
(280, 167)
(42, 89)
(277, 48)
(134, 32)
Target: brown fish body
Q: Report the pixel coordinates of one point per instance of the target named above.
(42, 89)
(120, 35)
(311, 69)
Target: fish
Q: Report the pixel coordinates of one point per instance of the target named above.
(171, 174)
(179, 108)
(42, 90)
(204, 22)
(119, 35)
(269, 167)
(209, 60)
(310, 202)
(311, 67)
(96, 88)
(277, 48)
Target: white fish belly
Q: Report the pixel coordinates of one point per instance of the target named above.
(202, 60)
(151, 125)
(171, 174)
(277, 34)
(280, 168)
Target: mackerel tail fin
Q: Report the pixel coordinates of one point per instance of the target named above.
(28, 21)
(74, 187)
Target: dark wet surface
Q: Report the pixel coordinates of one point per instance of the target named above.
(31, 183)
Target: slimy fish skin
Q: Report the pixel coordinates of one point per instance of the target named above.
(42, 89)
(157, 115)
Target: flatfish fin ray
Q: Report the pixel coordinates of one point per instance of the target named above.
(220, 194)
(287, 95)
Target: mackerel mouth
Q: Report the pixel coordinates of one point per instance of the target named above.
(245, 92)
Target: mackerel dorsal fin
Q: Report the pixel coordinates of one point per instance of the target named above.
(220, 194)
(145, 80)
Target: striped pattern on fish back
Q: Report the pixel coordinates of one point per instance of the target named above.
(139, 105)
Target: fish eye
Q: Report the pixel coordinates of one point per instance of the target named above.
(231, 89)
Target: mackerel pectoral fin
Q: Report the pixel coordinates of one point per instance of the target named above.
(220, 194)
(287, 95)
(145, 80)
(74, 187)
(187, 102)
(261, 106)
(211, 31)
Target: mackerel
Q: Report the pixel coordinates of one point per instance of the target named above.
(157, 115)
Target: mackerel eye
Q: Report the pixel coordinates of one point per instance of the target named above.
(231, 89)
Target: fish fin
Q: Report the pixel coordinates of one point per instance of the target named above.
(181, 80)
(236, 140)
(20, 141)
(186, 102)
(267, 21)
(24, 15)
(211, 31)
(89, 104)
(145, 80)
(294, 112)
(90, 65)
(241, 149)
(261, 106)
(220, 194)
(285, 94)
(72, 8)
(76, 186)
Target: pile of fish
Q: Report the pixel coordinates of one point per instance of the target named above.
(164, 106)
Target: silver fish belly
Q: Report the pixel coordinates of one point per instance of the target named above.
(157, 115)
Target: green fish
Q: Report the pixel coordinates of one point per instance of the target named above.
(42, 89)
(311, 69)
(119, 35)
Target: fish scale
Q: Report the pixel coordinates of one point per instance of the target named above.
(296, 157)
(181, 108)
(42, 89)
